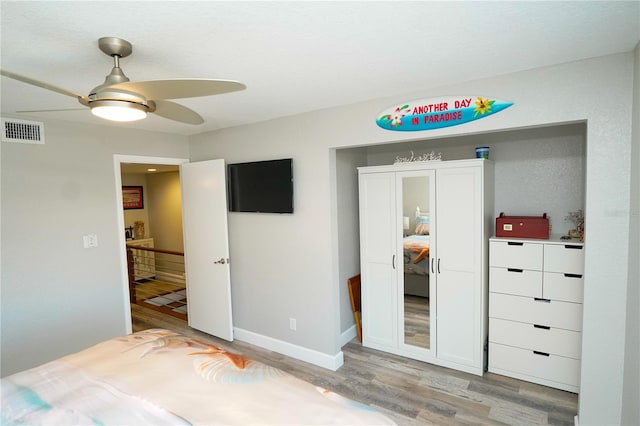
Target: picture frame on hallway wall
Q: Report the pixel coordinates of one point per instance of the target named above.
(132, 197)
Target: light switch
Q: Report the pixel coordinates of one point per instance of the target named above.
(90, 240)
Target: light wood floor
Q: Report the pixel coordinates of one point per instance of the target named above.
(417, 321)
(410, 392)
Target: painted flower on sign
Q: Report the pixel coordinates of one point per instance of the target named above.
(396, 117)
(483, 106)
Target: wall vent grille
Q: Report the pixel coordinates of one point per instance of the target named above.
(22, 131)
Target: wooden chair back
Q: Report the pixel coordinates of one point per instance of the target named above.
(354, 294)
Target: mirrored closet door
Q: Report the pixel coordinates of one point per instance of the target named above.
(415, 249)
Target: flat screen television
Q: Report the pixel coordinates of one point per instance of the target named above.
(261, 186)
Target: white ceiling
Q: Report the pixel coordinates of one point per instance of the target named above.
(293, 56)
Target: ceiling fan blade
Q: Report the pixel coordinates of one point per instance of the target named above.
(81, 98)
(177, 112)
(180, 88)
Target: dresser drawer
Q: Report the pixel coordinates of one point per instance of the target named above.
(552, 313)
(566, 258)
(565, 287)
(554, 341)
(558, 369)
(515, 254)
(521, 282)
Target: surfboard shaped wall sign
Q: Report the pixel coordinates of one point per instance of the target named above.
(436, 113)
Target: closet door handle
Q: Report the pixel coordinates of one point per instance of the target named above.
(393, 261)
(515, 270)
(433, 271)
(438, 265)
(540, 353)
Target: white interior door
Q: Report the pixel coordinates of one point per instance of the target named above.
(206, 247)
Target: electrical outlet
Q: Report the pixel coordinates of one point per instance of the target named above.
(90, 240)
(292, 324)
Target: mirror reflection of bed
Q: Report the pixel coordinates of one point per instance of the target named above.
(416, 276)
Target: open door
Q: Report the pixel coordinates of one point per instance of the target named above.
(206, 247)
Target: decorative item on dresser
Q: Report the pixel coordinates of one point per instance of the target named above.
(454, 215)
(535, 310)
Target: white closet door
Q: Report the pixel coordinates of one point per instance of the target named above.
(206, 247)
(378, 260)
(458, 264)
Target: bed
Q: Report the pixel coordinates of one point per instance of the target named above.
(160, 377)
(416, 258)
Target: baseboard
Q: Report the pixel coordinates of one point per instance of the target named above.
(348, 335)
(298, 352)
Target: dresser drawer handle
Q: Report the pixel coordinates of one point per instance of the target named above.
(544, 327)
(570, 246)
(573, 275)
(540, 299)
(541, 353)
(515, 270)
(513, 243)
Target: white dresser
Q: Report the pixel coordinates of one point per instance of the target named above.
(535, 310)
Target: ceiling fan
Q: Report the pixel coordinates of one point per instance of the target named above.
(120, 99)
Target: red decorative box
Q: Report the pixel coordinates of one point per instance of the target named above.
(523, 226)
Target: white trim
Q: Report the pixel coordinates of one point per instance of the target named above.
(298, 352)
(348, 335)
(124, 276)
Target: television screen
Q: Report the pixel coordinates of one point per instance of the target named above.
(261, 186)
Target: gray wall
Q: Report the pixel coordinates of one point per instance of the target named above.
(631, 408)
(58, 297)
(347, 225)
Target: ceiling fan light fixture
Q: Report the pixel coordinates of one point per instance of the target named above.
(118, 110)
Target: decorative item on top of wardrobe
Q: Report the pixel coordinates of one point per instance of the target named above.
(577, 217)
(430, 156)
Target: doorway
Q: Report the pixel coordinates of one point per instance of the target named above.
(133, 171)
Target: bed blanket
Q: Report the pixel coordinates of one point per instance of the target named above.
(160, 377)
(417, 246)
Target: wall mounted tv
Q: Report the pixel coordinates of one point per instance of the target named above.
(261, 186)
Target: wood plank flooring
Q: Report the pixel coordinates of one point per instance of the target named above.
(417, 321)
(408, 391)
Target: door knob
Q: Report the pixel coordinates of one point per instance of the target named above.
(222, 261)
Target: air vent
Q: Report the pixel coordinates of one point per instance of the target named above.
(22, 131)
